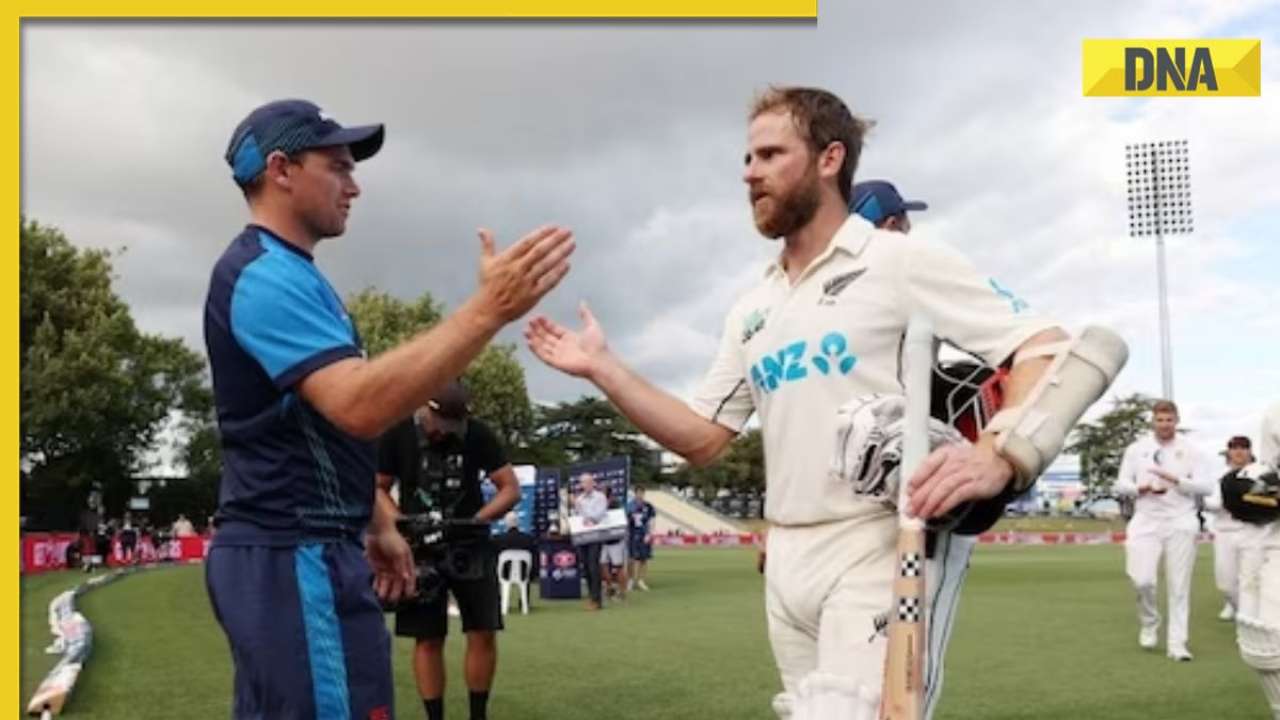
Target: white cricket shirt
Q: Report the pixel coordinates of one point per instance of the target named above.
(1174, 509)
(795, 354)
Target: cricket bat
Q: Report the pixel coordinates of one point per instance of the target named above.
(902, 696)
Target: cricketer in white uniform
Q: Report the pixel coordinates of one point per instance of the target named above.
(794, 354)
(823, 327)
(1165, 472)
(1226, 531)
(1258, 614)
(880, 203)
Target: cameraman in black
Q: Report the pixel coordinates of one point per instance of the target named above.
(441, 437)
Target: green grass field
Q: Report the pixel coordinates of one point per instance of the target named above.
(1044, 633)
(1036, 523)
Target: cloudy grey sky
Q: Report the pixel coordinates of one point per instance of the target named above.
(633, 133)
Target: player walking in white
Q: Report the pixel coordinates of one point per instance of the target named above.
(1258, 612)
(821, 330)
(1226, 531)
(1165, 473)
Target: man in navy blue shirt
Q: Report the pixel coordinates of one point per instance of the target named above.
(640, 515)
(299, 407)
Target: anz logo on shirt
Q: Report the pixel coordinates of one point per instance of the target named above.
(794, 361)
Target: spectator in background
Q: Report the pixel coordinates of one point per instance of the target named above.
(128, 540)
(613, 558)
(513, 538)
(516, 539)
(72, 554)
(150, 540)
(182, 527)
(591, 504)
(640, 516)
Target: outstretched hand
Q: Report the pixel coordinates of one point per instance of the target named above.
(574, 352)
(514, 280)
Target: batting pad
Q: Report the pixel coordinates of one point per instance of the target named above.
(1260, 650)
(822, 696)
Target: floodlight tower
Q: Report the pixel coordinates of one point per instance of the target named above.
(1159, 175)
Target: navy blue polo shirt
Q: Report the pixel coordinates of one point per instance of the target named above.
(289, 475)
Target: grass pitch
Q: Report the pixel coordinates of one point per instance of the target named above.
(1043, 632)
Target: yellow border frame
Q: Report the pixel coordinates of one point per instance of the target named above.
(442, 9)
(481, 9)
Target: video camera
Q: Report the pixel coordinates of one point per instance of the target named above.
(444, 547)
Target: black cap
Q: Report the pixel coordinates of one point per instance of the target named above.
(1240, 441)
(292, 126)
(450, 407)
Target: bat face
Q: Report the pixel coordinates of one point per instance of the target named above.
(902, 697)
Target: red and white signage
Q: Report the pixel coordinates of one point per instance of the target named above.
(48, 551)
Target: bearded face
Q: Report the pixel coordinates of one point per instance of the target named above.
(783, 211)
(781, 174)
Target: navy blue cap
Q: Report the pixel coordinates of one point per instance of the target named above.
(876, 200)
(292, 126)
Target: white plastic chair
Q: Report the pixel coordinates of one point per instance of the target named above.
(514, 568)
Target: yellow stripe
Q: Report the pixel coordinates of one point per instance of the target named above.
(436, 8)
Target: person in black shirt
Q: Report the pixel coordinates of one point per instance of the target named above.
(435, 433)
(128, 541)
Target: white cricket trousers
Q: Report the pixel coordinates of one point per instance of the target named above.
(1142, 562)
(1226, 564)
(828, 591)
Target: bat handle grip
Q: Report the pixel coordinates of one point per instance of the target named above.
(917, 377)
